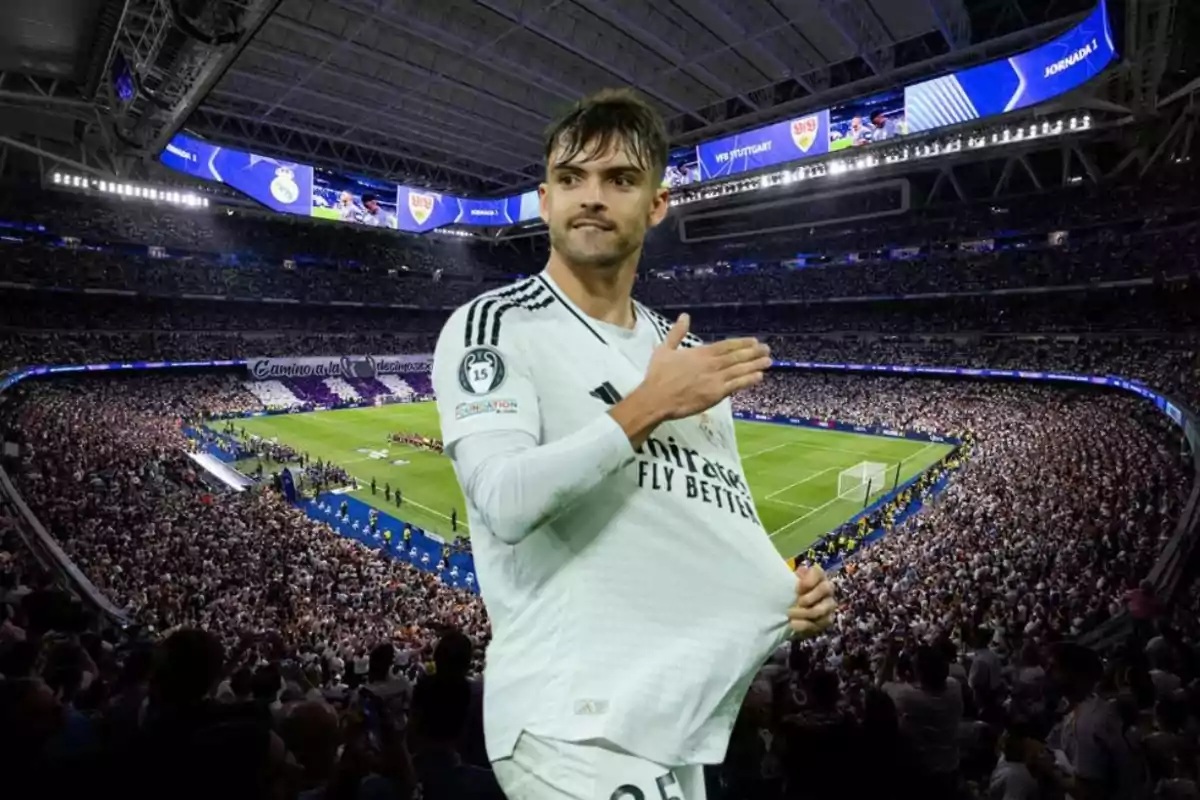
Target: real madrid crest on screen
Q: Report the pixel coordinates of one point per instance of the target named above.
(284, 188)
(482, 371)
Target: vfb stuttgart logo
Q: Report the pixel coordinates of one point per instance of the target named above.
(420, 206)
(804, 131)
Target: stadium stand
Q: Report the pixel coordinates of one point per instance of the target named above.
(1060, 510)
(1025, 609)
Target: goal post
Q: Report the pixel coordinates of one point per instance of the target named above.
(862, 481)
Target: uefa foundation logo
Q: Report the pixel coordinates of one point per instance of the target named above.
(482, 371)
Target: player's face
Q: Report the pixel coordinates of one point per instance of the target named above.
(599, 206)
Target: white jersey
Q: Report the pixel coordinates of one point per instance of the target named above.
(641, 614)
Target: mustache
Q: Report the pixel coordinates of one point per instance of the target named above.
(595, 218)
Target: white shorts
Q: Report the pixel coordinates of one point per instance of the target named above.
(547, 769)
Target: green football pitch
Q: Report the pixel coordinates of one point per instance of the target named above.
(793, 472)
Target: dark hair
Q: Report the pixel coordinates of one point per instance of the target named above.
(932, 667)
(266, 682)
(189, 665)
(452, 654)
(607, 118)
(369, 198)
(379, 663)
(1080, 664)
(824, 688)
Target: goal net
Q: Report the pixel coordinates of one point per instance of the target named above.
(866, 476)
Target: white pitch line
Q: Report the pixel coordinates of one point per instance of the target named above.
(800, 519)
(367, 485)
(786, 503)
(768, 450)
(772, 495)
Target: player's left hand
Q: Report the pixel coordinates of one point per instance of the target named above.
(815, 603)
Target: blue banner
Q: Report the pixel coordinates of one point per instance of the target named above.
(420, 210)
(845, 427)
(1021, 81)
(296, 189)
(280, 185)
(801, 137)
(997, 87)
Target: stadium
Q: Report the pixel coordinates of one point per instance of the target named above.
(233, 229)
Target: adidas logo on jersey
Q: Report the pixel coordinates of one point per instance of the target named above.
(606, 394)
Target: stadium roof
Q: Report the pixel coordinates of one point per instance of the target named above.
(455, 94)
(458, 92)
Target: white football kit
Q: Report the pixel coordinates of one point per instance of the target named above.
(633, 595)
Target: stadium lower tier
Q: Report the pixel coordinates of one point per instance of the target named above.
(1044, 501)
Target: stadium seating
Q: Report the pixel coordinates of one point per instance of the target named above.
(273, 394)
(1042, 529)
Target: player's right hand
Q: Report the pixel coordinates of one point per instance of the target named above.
(688, 380)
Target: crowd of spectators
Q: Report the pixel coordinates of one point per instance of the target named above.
(1055, 518)
(268, 656)
(1058, 513)
(241, 255)
(1103, 255)
(246, 598)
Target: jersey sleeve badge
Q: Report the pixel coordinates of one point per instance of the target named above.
(481, 371)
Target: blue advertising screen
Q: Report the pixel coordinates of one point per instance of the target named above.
(280, 185)
(420, 210)
(1021, 81)
(778, 143)
(298, 189)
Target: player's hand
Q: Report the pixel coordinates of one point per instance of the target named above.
(815, 603)
(688, 380)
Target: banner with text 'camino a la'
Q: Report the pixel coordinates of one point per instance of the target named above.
(266, 369)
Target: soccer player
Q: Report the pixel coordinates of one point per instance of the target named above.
(632, 590)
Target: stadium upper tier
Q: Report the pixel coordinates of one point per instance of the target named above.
(215, 237)
(1106, 242)
(1167, 363)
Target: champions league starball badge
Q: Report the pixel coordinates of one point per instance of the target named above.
(482, 371)
(284, 188)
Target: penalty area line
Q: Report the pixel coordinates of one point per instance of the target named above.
(805, 479)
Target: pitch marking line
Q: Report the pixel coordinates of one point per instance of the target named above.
(367, 486)
(803, 517)
(773, 495)
(768, 450)
(786, 503)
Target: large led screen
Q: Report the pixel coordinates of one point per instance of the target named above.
(1023, 80)
(280, 185)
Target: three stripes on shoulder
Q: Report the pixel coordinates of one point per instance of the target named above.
(486, 312)
(663, 326)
